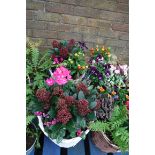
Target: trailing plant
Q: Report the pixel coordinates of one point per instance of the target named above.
(116, 127)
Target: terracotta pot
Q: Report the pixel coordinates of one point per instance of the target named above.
(101, 141)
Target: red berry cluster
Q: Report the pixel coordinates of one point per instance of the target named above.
(43, 95)
(61, 103)
(64, 52)
(55, 44)
(63, 115)
(70, 100)
(82, 87)
(83, 107)
(57, 91)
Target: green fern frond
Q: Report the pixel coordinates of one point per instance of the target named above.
(29, 119)
(35, 56)
(99, 126)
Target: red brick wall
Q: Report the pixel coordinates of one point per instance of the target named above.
(102, 22)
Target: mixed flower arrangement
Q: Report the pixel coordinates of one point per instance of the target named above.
(70, 54)
(65, 106)
(68, 104)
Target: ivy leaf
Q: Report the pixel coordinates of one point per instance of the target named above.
(81, 95)
(92, 105)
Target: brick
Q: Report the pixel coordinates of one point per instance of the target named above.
(31, 5)
(69, 35)
(65, 27)
(43, 49)
(36, 25)
(59, 8)
(113, 16)
(86, 12)
(98, 23)
(51, 17)
(43, 41)
(89, 45)
(29, 14)
(116, 42)
(28, 32)
(44, 33)
(68, 19)
(105, 5)
(49, 41)
(120, 27)
(52, 26)
(85, 29)
(123, 36)
(107, 32)
(122, 7)
(93, 39)
(87, 3)
(68, 1)
(123, 1)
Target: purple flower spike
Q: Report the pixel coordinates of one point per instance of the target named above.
(82, 45)
(38, 113)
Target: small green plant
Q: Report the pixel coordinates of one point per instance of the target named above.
(116, 126)
(37, 66)
(31, 132)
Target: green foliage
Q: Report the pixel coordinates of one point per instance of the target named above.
(116, 126)
(81, 95)
(29, 119)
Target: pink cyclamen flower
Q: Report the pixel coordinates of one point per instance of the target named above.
(79, 132)
(50, 81)
(38, 113)
(61, 75)
(61, 81)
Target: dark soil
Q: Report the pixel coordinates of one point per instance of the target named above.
(29, 141)
(30, 138)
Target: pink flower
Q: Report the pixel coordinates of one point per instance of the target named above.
(62, 75)
(54, 121)
(61, 81)
(50, 82)
(48, 124)
(38, 113)
(56, 61)
(79, 132)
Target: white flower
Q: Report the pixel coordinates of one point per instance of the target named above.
(117, 71)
